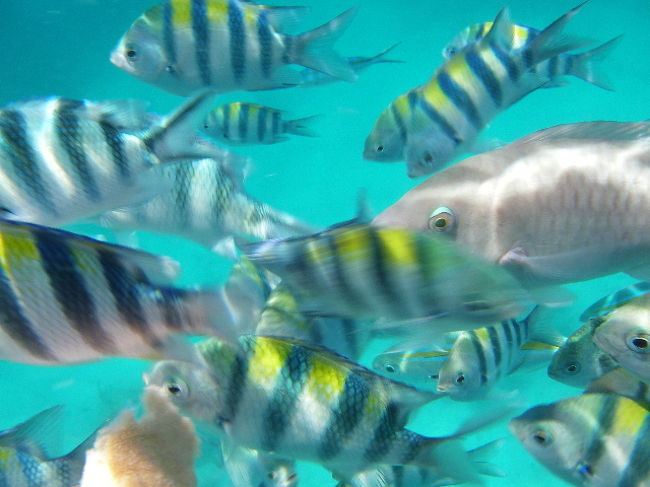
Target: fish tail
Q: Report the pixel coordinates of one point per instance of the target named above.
(584, 65)
(314, 50)
(300, 126)
(379, 58)
(76, 459)
(479, 457)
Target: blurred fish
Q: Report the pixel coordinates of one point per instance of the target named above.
(247, 124)
(625, 335)
(182, 46)
(311, 77)
(551, 207)
(419, 368)
(579, 65)
(615, 300)
(206, 202)
(67, 299)
(24, 461)
(595, 440)
(620, 381)
(579, 361)
(445, 115)
(62, 160)
(361, 271)
(303, 402)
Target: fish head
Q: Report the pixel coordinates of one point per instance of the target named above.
(190, 386)
(460, 375)
(573, 363)
(385, 142)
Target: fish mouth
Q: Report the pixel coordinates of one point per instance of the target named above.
(117, 59)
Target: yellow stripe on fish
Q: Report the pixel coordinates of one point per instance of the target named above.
(266, 361)
(324, 381)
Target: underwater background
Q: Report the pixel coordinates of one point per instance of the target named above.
(61, 47)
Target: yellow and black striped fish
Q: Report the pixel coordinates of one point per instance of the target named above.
(67, 298)
(185, 45)
(595, 440)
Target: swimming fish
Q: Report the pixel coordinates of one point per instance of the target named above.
(551, 207)
(311, 77)
(62, 160)
(205, 202)
(242, 123)
(595, 440)
(554, 68)
(303, 402)
(68, 299)
(445, 115)
(579, 361)
(625, 335)
(182, 46)
(419, 368)
(362, 271)
(24, 461)
(615, 300)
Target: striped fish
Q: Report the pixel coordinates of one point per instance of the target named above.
(479, 358)
(595, 440)
(362, 271)
(242, 123)
(69, 299)
(206, 203)
(182, 46)
(24, 461)
(62, 160)
(304, 403)
(615, 300)
(579, 361)
(446, 114)
(311, 77)
(554, 68)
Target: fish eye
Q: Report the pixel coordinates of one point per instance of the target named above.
(390, 369)
(380, 148)
(451, 51)
(169, 68)
(542, 438)
(427, 159)
(460, 378)
(177, 388)
(442, 219)
(572, 367)
(638, 343)
(585, 470)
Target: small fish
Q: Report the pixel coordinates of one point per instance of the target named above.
(518, 206)
(182, 46)
(24, 461)
(310, 77)
(362, 271)
(445, 115)
(69, 299)
(625, 335)
(242, 123)
(62, 160)
(302, 402)
(595, 440)
(419, 368)
(579, 65)
(615, 300)
(579, 361)
(206, 202)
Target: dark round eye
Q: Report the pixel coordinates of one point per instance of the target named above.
(428, 158)
(380, 148)
(451, 51)
(572, 368)
(442, 219)
(542, 438)
(177, 388)
(169, 69)
(460, 378)
(390, 369)
(586, 470)
(638, 343)
(131, 54)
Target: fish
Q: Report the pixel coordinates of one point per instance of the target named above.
(620, 381)
(624, 334)
(311, 77)
(419, 368)
(595, 440)
(579, 361)
(242, 123)
(479, 358)
(207, 203)
(182, 46)
(615, 300)
(25, 462)
(302, 402)
(62, 160)
(361, 271)
(550, 207)
(578, 65)
(69, 299)
(445, 115)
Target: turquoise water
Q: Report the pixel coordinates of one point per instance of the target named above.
(61, 48)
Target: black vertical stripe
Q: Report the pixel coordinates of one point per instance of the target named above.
(70, 290)
(126, 295)
(480, 355)
(201, 40)
(433, 114)
(15, 324)
(265, 38)
(505, 325)
(288, 49)
(225, 127)
(382, 273)
(496, 346)
(517, 329)
(485, 75)
(171, 308)
(459, 97)
(237, 40)
(383, 435)
(414, 445)
(552, 67)
(21, 156)
(345, 417)
(275, 124)
(284, 398)
(115, 142)
(399, 121)
(182, 191)
(605, 416)
(243, 121)
(345, 290)
(261, 123)
(168, 32)
(235, 387)
(70, 135)
(506, 61)
(637, 470)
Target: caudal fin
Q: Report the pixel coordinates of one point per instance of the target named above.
(300, 126)
(584, 65)
(314, 49)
